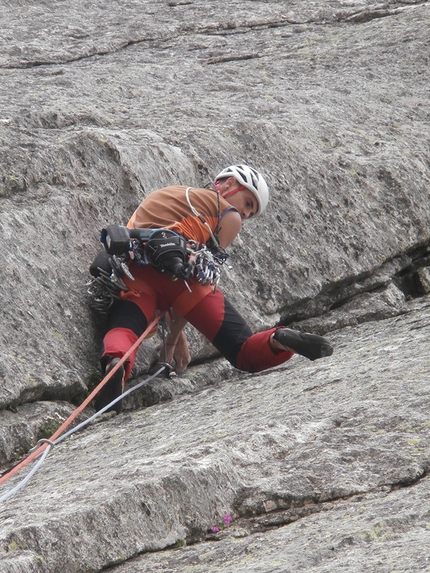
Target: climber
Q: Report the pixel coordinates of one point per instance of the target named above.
(208, 219)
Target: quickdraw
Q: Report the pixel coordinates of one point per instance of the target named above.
(106, 287)
(206, 267)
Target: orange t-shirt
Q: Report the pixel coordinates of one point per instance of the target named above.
(168, 208)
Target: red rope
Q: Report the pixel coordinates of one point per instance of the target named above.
(79, 409)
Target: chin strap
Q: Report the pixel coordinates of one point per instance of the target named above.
(233, 191)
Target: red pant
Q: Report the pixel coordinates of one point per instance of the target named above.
(213, 316)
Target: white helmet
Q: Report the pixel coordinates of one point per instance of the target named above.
(251, 179)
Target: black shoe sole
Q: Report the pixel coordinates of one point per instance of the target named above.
(112, 390)
(310, 346)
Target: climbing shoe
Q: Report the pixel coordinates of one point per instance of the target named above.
(311, 346)
(112, 389)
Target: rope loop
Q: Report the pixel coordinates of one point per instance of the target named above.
(42, 441)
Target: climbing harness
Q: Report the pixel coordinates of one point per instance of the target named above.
(43, 447)
(164, 249)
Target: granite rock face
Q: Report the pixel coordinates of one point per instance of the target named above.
(103, 103)
(321, 466)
